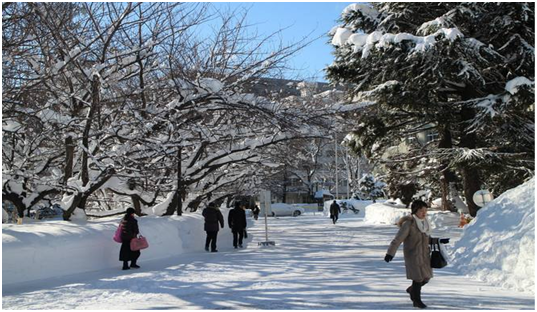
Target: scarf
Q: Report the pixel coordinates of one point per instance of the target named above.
(423, 225)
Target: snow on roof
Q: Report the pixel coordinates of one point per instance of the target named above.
(321, 193)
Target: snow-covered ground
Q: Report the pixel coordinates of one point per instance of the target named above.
(314, 265)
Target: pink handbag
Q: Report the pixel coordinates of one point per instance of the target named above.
(117, 235)
(138, 243)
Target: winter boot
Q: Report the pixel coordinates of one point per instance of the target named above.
(126, 265)
(409, 291)
(134, 265)
(416, 294)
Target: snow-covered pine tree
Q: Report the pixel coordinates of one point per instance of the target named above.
(465, 70)
(370, 187)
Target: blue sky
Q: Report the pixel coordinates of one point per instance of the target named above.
(300, 18)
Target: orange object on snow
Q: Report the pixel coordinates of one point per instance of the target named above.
(463, 221)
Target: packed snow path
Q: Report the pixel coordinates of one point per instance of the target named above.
(315, 265)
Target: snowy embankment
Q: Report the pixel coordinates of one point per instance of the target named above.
(57, 248)
(358, 205)
(379, 213)
(499, 245)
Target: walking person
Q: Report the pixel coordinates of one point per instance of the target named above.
(213, 217)
(256, 211)
(237, 223)
(334, 211)
(129, 231)
(415, 234)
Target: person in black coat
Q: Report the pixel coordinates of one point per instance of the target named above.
(237, 223)
(129, 231)
(334, 212)
(212, 216)
(256, 211)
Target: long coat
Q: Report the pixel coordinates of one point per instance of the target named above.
(130, 231)
(415, 248)
(237, 219)
(334, 209)
(212, 216)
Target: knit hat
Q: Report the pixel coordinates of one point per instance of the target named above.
(417, 205)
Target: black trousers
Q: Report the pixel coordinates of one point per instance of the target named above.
(211, 239)
(335, 217)
(237, 236)
(126, 254)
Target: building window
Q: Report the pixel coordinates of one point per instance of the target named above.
(432, 135)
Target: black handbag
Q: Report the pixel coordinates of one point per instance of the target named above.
(437, 260)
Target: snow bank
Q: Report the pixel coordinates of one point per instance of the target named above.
(355, 203)
(499, 245)
(56, 248)
(379, 213)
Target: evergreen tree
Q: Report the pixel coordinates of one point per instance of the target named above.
(370, 187)
(464, 70)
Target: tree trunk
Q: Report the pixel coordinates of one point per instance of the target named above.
(447, 174)
(471, 179)
(137, 204)
(176, 205)
(17, 201)
(69, 156)
(80, 198)
(472, 184)
(179, 183)
(95, 99)
(284, 185)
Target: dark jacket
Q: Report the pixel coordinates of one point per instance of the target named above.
(237, 219)
(256, 210)
(130, 229)
(212, 216)
(334, 209)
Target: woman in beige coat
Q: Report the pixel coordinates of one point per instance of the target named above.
(415, 233)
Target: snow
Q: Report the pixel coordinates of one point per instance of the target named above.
(365, 9)
(211, 84)
(513, 85)
(365, 42)
(341, 36)
(10, 125)
(499, 245)
(47, 249)
(314, 265)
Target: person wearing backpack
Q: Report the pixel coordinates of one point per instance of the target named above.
(237, 223)
(129, 231)
(212, 216)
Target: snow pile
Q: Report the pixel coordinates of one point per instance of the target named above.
(379, 213)
(57, 248)
(358, 205)
(499, 245)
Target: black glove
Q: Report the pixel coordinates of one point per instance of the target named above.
(444, 240)
(388, 258)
